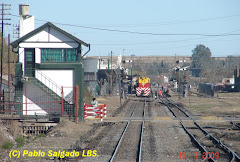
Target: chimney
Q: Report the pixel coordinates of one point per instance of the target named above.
(26, 20)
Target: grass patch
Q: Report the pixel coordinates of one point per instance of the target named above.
(7, 145)
(200, 107)
(41, 135)
(20, 141)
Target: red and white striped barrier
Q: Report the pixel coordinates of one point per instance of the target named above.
(95, 112)
(146, 91)
(104, 110)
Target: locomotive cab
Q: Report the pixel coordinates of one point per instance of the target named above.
(143, 87)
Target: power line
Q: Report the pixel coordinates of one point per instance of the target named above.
(140, 33)
(184, 40)
(165, 41)
(151, 42)
(169, 23)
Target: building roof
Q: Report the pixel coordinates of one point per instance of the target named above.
(15, 43)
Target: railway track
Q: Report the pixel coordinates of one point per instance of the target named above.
(235, 124)
(211, 148)
(131, 149)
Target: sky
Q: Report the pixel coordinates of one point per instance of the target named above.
(142, 28)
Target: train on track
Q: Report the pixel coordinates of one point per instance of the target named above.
(143, 87)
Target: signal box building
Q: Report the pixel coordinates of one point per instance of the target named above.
(49, 62)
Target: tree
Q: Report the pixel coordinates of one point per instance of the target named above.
(213, 70)
(201, 58)
(13, 58)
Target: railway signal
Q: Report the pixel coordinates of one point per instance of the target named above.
(178, 68)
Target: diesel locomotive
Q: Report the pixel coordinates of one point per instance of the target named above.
(143, 87)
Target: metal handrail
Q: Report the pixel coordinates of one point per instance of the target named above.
(46, 81)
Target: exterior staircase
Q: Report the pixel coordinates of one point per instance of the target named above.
(68, 108)
(52, 90)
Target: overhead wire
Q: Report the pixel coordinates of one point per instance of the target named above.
(203, 36)
(140, 33)
(168, 23)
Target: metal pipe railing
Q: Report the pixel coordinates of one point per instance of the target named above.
(44, 79)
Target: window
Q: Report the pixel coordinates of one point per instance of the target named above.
(58, 55)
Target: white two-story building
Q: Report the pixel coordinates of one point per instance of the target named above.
(49, 62)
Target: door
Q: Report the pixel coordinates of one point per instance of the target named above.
(29, 61)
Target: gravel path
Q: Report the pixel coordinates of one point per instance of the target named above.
(129, 146)
(164, 140)
(107, 144)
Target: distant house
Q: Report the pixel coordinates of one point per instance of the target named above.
(90, 69)
(228, 80)
(49, 58)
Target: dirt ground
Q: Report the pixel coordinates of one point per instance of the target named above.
(112, 102)
(66, 135)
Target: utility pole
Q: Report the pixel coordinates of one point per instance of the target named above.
(111, 82)
(178, 70)
(119, 86)
(99, 62)
(179, 82)
(9, 75)
(131, 73)
(111, 59)
(2, 13)
(179, 75)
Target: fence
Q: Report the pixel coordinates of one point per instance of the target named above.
(34, 101)
(6, 96)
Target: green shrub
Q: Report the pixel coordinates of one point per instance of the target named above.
(7, 145)
(20, 141)
(41, 135)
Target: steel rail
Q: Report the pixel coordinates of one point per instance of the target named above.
(122, 135)
(214, 139)
(218, 142)
(237, 125)
(195, 141)
(169, 109)
(211, 137)
(141, 136)
(185, 113)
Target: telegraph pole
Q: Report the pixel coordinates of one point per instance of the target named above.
(111, 59)
(111, 76)
(9, 75)
(2, 13)
(179, 82)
